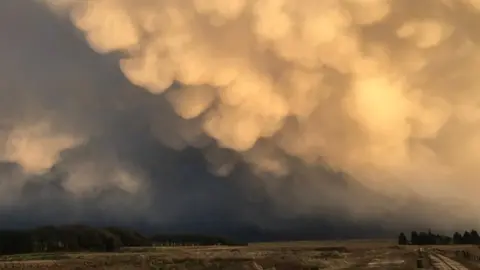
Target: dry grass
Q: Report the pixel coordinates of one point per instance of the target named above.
(353, 254)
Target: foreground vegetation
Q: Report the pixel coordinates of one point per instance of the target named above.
(273, 256)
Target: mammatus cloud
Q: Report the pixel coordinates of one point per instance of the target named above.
(384, 90)
(34, 147)
(340, 110)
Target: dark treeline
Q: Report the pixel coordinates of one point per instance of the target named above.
(84, 238)
(428, 238)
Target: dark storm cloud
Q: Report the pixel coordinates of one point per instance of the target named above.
(49, 75)
(100, 154)
(80, 143)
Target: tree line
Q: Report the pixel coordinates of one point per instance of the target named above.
(74, 238)
(428, 238)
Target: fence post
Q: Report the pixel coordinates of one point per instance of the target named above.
(419, 263)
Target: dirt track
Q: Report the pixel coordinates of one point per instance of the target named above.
(441, 262)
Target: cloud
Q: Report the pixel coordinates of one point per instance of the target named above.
(247, 112)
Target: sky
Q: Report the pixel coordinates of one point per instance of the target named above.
(208, 115)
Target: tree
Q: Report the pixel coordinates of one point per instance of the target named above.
(414, 238)
(423, 238)
(467, 238)
(402, 239)
(475, 238)
(457, 238)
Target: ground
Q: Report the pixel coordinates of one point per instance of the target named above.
(378, 254)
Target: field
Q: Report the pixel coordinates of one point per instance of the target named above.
(361, 254)
(379, 254)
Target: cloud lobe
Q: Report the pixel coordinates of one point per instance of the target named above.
(384, 91)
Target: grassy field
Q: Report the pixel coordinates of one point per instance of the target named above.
(361, 254)
(351, 254)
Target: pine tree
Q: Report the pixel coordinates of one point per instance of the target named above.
(475, 237)
(414, 238)
(457, 238)
(467, 238)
